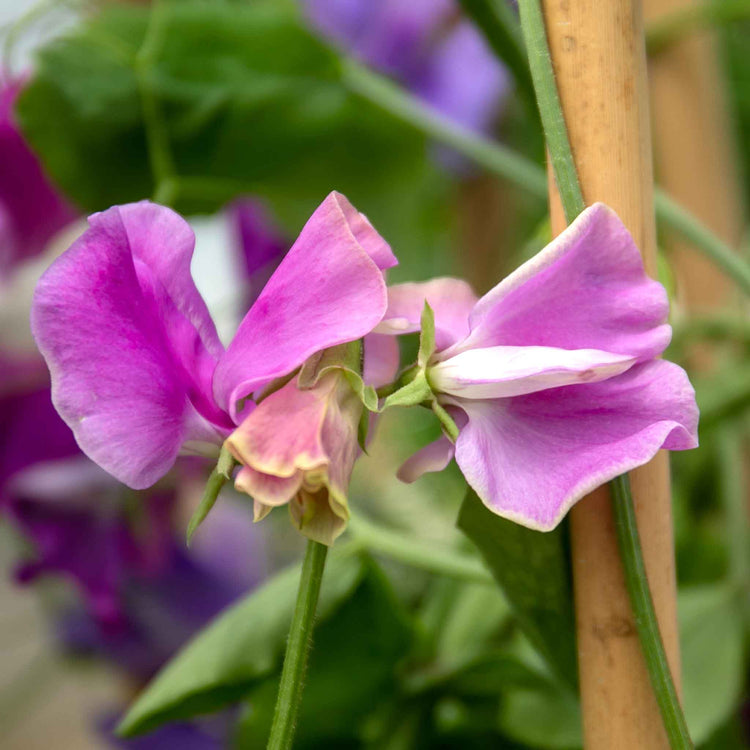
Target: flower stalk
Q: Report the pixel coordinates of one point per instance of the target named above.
(298, 648)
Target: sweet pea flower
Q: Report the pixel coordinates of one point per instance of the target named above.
(427, 45)
(552, 377)
(137, 369)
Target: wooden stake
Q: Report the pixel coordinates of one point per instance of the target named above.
(599, 57)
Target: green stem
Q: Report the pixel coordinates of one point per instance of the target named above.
(532, 23)
(646, 623)
(492, 156)
(298, 648)
(157, 136)
(410, 551)
(676, 25)
(550, 109)
(674, 216)
(509, 165)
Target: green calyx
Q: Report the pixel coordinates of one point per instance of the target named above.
(221, 474)
(416, 388)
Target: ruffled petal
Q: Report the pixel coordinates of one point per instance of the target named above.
(328, 290)
(530, 458)
(129, 342)
(503, 371)
(451, 300)
(586, 290)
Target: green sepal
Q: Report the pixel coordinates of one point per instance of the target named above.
(363, 429)
(413, 393)
(426, 336)
(221, 474)
(348, 359)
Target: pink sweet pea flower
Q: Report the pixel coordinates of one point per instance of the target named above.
(298, 448)
(137, 369)
(552, 376)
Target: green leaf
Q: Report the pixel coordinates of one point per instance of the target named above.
(532, 569)
(545, 715)
(239, 649)
(711, 639)
(352, 668)
(251, 102)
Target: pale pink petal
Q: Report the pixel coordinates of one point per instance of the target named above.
(266, 489)
(328, 290)
(502, 371)
(586, 290)
(451, 300)
(433, 457)
(529, 458)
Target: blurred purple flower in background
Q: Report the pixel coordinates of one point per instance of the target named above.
(31, 210)
(260, 243)
(425, 44)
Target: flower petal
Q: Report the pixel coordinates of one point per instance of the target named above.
(328, 290)
(451, 300)
(502, 371)
(530, 458)
(382, 359)
(586, 290)
(433, 457)
(129, 342)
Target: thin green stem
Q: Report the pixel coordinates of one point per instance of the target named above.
(494, 157)
(409, 551)
(646, 623)
(680, 220)
(532, 23)
(676, 25)
(550, 108)
(298, 648)
(499, 25)
(157, 135)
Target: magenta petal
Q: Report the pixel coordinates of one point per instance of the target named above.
(328, 290)
(530, 458)
(433, 457)
(129, 342)
(586, 290)
(451, 300)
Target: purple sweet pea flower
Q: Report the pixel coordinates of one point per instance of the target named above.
(137, 369)
(31, 210)
(261, 244)
(427, 45)
(552, 376)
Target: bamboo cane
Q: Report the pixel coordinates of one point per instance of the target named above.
(599, 57)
